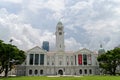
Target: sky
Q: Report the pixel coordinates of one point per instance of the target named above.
(87, 23)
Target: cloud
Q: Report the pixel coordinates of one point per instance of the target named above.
(12, 1)
(71, 44)
(24, 35)
(88, 23)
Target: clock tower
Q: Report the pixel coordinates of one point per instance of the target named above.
(60, 37)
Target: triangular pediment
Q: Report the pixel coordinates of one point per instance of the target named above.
(36, 49)
(84, 51)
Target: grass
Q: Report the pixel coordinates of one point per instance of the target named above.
(64, 78)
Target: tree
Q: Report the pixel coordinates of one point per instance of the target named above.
(10, 56)
(110, 60)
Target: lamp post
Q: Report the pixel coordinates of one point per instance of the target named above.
(9, 54)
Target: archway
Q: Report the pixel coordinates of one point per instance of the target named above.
(60, 72)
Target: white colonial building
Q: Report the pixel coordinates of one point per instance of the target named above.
(40, 62)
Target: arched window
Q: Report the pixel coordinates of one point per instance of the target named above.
(90, 71)
(41, 72)
(80, 71)
(30, 72)
(85, 71)
(36, 72)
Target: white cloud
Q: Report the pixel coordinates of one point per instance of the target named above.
(93, 21)
(24, 35)
(72, 44)
(105, 32)
(13, 1)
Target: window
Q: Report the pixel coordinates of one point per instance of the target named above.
(47, 63)
(52, 63)
(84, 59)
(36, 59)
(48, 59)
(41, 59)
(80, 71)
(60, 63)
(90, 71)
(60, 33)
(53, 60)
(67, 63)
(89, 59)
(60, 46)
(36, 72)
(71, 60)
(75, 59)
(41, 72)
(80, 59)
(31, 59)
(67, 60)
(30, 72)
(71, 63)
(85, 71)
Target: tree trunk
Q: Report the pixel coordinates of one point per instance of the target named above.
(6, 71)
(114, 71)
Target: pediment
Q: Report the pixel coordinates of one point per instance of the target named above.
(84, 51)
(36, 49)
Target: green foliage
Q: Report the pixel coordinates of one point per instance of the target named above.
(110, 60)
(65, 78)
(10, 56)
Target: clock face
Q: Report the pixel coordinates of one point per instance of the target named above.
(60, 28)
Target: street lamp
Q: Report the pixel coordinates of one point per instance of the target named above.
(9, 54)
(11, 40)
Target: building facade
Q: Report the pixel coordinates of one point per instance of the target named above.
(41, 62)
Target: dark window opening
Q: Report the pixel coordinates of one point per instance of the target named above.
(52, 63)
(85, 71)
(36, 72)
(75, 59)
(36, 59)
(60, 33)
(67, 63)
(47, 63)
(41, 72)
(90, 71)
(30, 72)
(41, 59)
(80, 71)
(84, 59)
(31, 59)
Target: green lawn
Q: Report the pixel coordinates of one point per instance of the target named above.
(65, 78)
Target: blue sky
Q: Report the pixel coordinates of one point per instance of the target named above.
(87, 23)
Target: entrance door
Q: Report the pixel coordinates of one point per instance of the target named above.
(60, 72)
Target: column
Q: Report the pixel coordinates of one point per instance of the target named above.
(77, 59)
(28, 59)
(45, 60)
